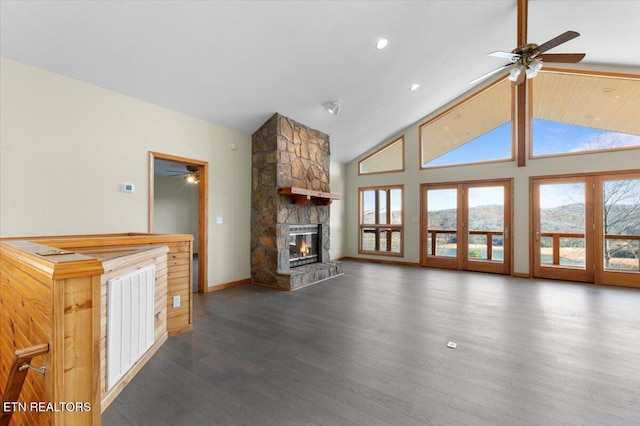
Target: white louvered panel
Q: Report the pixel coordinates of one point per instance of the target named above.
(130, 326)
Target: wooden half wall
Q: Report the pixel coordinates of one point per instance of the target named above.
(179, 265)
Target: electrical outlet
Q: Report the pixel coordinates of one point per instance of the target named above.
(176, 301)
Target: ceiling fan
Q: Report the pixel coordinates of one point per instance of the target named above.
(526, 60)
(192, 175)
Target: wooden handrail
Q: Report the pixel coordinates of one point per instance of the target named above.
(489, 238)
(17, 375)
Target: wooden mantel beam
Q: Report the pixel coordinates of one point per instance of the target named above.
(302, 195)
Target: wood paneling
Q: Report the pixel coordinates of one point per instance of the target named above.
(466, 121)
(601, 102)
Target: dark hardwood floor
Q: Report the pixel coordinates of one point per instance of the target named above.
(369, 348)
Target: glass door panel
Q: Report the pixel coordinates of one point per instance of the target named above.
(562, 224)
(561, 232)
(487, 209)
(442, 227)
(486, 224)
(618, 261)
(621, 224)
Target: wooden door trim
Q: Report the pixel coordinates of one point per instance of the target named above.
(203, 209)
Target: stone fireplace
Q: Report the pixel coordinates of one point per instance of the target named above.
(290, 205)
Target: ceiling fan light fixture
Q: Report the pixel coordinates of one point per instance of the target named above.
(533, 69)
(332, 107)
(192, 177)
(514, 73)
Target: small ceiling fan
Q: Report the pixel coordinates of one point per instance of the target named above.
(192, 175)
(526, 60)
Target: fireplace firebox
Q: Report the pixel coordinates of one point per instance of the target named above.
(304, 244)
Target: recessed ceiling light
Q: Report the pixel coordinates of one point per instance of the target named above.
(415, 86)
(382, 43)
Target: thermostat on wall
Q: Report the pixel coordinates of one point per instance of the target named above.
(127, 187)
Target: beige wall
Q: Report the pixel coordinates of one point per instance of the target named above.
(175, 207)
(338, 209)
(412, 177)
(66, 146)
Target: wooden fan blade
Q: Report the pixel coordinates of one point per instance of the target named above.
(513, 57)
(556, 41)
(490, 73)
(567, 58)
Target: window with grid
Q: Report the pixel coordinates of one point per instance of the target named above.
(381, 219)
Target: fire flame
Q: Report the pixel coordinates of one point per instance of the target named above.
(304, 249)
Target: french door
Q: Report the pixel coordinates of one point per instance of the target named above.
(466, 226)
(563, 228)
(587, 228)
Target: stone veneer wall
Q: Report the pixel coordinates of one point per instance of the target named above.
(287, 154)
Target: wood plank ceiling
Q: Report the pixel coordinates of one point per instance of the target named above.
(608, 103)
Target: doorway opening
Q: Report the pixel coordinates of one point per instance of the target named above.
(194, 174)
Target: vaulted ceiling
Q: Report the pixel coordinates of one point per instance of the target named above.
(235, 63)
